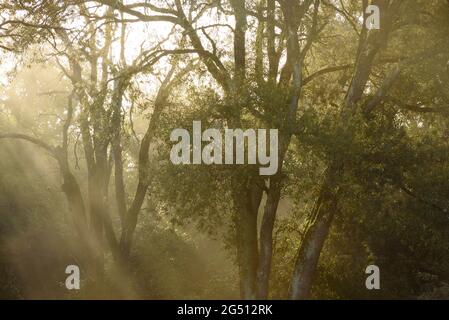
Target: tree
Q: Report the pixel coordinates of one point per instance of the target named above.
(99, 120)
(349, 119)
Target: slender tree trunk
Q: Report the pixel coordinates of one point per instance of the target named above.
(130, 217)
(130, 221)
(246, 200)
(319, 223)
(309, 253)
(266, 238)
(75, 200)
(267, 225)
(96, 204)
(72, 191)
(247, 195)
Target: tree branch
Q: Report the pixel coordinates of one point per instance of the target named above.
(36, 141)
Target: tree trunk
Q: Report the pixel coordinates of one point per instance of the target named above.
(97, 188)
(130, 221)
(316, 233)
(266, 237)
(75, 200)
(246, 198)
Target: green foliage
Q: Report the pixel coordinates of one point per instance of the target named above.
(392, 192)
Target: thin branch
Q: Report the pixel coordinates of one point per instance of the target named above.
(325, 71)
(36, 141)
(409, 192)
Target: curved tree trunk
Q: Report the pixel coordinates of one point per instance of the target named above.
(312, 243)
(309, 253)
